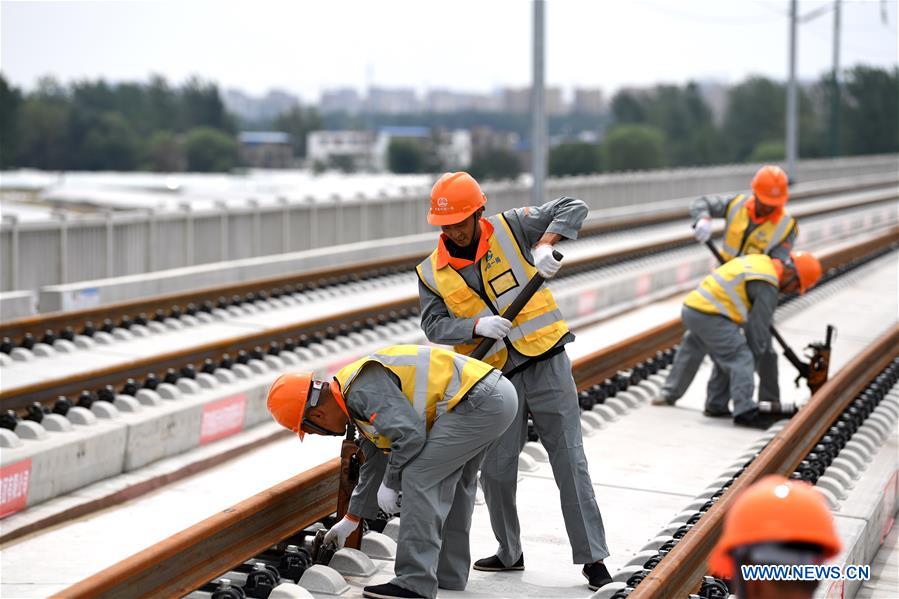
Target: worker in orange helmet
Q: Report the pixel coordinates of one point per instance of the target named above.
(479, 267)
(755, 223)
(776, 522)
(426, 416)
(740, 294)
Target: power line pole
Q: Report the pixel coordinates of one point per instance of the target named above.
(835, 105)
(538, 112)
(792, 133)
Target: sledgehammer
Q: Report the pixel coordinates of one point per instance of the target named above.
(512, 310)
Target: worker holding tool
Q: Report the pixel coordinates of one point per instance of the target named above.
(740, 293)
(426, 416)
(774, 522)
(755, 223)
(481, 265)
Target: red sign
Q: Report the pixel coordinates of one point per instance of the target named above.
(889, 502)
(586, 302)
(14, 481)
(644, 285)
(222, 418)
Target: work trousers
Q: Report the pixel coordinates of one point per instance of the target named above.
(546, 389)
(718, 391)
(439, 487)
(733, 373)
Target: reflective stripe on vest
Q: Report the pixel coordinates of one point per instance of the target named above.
(504, 272)
(763, 238)
(724, 291)
(434, 380)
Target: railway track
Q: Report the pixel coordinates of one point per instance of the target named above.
(272, 519)
(86, 386)
(48, 328)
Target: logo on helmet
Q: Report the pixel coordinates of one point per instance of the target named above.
(442, 202)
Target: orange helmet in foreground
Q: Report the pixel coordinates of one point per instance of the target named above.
(775, 510)
(287, 399)
(770, 186)
(454, 197)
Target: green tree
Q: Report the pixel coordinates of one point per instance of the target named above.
(574, 158)
(44, 139)
(164, 153)
(406, 156)
(495, 163)
(210, 150)
(297, 123)
(870, 114)
(10, 115)
(627, 107)
(632, 147)
(768, 151)
(202, 106)
(110, 144)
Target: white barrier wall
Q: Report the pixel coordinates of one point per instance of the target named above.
(53, 252)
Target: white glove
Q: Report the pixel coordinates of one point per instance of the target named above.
(546, 265)
(702, 229)
(495, 327)
(388, 500)
(338, 533)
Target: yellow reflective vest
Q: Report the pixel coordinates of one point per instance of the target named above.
(434, 380)
(724, 291)
(505, 271)
(764, 238)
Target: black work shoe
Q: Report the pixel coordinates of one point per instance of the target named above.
(725, 413)
(493, 564)
(597, 575)
(389, 591)
(754, 419)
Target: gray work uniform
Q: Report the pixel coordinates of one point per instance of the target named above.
(765, 357)
(546, 389)
(735, 353)
(436, 471)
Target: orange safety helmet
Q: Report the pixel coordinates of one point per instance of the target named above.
(454, 197)
(770, 186)
(287, 399)
(808, 269)
(775, 510)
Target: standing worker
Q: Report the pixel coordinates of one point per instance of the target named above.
(434, 412)
(740, 293)
(479, 267)
(757, 223)
(774, 522)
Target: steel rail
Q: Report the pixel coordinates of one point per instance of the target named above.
(49, 390)
(37, 325)
(183, 562)
(173, 566)
(680, 571)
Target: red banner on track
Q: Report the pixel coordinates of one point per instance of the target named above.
(222, 418)
(14, 481)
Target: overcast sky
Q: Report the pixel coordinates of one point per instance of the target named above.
(478, 45)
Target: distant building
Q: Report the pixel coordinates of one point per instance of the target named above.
(444, 100)
(587, 101)
(485, 138)
(391, 100)
(353, 149)
(385, 135)
(518, 100)
(344, 99)
(265, 149)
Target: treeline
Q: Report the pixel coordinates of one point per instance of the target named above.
(670, 125)
(94, 125)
